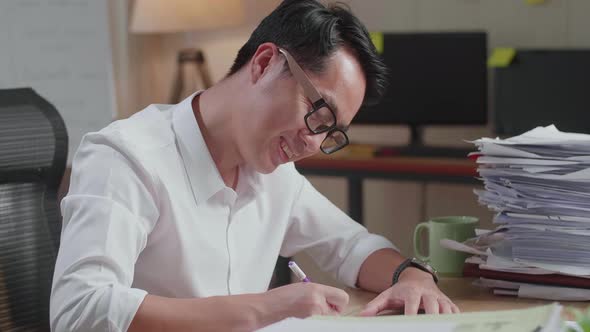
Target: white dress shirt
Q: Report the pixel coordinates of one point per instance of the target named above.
(148, 212)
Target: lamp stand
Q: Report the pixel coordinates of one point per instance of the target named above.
(191, 68)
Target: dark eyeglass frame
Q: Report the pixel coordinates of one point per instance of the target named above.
(317, 102)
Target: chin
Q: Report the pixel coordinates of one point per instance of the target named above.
(265, 167)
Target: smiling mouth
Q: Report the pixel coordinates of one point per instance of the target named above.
(290, 154)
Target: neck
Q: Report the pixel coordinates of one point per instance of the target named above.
(213, 111)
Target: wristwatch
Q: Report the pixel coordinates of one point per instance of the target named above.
(414, 262)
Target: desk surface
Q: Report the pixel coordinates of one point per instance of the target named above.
(466, 296)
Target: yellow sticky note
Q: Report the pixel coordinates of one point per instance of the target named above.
(535, 2)
(501, 57)
(377, 38)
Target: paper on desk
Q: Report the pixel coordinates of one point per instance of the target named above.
(505, 151)
(534, 291)
(581, 175)
(489, 261)
(525, 161)
(547, 317)
(497, 263)
(573, 326)
(356, 325)
(550, 229)
(540, 169)
(559, 268)
(454, 245)
(548, 135)
(538, 218)
(537, 147)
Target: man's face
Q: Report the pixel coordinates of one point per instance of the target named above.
(274, 130)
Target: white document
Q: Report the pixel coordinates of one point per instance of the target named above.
(356, 325)
(531, 291)
(525, 161)
(525, 216)
(549, 135)
(539, 183)
(457, 246)
(577, 271)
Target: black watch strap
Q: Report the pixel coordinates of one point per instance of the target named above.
(413, 262)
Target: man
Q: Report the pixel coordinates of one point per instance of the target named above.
(175, 217)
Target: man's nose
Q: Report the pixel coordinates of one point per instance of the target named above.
(312, 142)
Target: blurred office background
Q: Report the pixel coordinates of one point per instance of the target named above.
(143, 68)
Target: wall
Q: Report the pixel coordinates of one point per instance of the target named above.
(61, 50)
(391, 208)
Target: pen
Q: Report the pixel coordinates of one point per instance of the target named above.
(303, 278)
(298, 272)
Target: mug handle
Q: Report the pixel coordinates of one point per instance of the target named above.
(417, 230)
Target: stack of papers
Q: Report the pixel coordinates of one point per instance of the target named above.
(539, 185)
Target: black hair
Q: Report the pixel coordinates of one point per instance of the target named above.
(311, 32)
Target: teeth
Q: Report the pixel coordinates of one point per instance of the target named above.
(287, 151)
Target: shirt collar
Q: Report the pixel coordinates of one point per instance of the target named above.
(201, 170)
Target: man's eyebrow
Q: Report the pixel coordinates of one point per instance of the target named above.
(330, 101)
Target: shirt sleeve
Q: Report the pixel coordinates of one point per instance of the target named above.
(108, 213)
(338, 244)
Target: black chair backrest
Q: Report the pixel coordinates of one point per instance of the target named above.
(33, 154)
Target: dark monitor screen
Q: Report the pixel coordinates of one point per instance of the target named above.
(543, 87)
(434, 78)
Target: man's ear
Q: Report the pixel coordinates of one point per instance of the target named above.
(266, 56)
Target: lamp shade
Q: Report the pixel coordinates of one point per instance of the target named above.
(166, 16)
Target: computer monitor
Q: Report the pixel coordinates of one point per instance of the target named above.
(543, 87)
(434, 78)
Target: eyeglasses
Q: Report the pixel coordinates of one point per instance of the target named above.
(321, 118)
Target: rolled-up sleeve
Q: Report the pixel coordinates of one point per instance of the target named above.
(107, 216)
(338, 244)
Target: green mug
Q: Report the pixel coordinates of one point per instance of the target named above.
(447, 262)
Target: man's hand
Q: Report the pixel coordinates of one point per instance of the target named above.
(245, 312)
(415, 290)
(305, 299)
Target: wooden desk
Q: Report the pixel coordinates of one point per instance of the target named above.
(357, 168)
(466, 296)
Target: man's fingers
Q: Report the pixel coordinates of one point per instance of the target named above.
(445, 307)
(431, 305)
(374, 307)
(336, 297)
(455, 308)
(411, 305)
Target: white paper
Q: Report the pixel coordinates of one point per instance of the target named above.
(525, 161)
(560, 268)
(357, 325)
(539, 183)
(534, 291)
(61, 49)
(454, 245)
(573, 326)
(549, 135)
(531, 291)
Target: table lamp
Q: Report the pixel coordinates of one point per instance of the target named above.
(173, 16)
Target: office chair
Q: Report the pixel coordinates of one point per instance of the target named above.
(33, 153)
